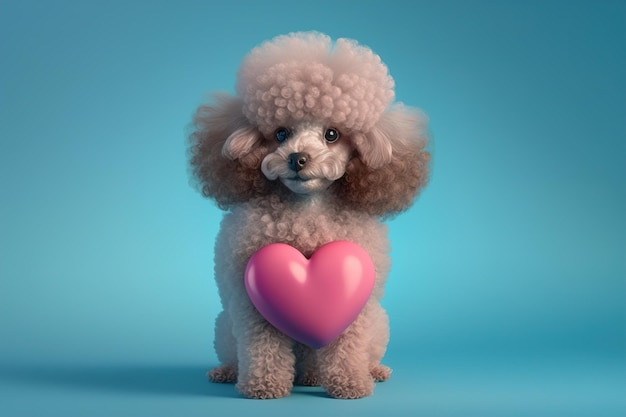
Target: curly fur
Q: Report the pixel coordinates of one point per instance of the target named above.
(334, 191)
(303, 77)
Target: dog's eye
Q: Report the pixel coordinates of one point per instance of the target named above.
(331, 135)
(281, 134)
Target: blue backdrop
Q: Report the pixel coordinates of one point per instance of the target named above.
(507, 291)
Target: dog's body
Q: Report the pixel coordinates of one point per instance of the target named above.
(293, 162)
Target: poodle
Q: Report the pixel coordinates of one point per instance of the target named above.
(310, 150)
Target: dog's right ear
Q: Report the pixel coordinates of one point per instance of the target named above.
(241, 142)
(226, 153)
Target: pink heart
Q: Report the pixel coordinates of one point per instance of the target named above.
(312, 301)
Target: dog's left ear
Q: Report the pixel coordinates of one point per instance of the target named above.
(399, 129)
(391, 165)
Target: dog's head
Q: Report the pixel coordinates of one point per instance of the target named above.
(308, 159)
(311, 117)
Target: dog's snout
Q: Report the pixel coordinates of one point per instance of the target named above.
(297, 161)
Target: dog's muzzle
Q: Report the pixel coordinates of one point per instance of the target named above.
(296, 161)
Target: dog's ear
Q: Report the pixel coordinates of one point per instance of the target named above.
(374, 148)
(241, 142)
(399, 129)
(226, 153)
(391, 165)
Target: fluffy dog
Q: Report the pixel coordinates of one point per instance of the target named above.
(310, 150)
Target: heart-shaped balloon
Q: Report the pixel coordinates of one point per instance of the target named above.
(311, 300)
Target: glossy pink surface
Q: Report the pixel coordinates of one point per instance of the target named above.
(311, 300)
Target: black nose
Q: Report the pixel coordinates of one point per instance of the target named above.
(297, 161)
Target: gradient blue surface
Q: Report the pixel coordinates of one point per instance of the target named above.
(507, 291)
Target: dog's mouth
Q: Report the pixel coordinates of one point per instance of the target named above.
(303, 185)
(297, 181)
(298, 178)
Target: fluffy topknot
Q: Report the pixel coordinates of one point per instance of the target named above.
(303, 77)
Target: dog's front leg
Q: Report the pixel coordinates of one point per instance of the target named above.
(265, 355)
(344, 363)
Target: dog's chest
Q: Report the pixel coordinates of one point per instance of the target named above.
(304, 226)
(310, 227)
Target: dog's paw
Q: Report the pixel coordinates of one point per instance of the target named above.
(263, 390)
(223, 374)
(348, 388)
(380, 373)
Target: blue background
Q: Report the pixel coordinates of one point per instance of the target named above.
(507, 291)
